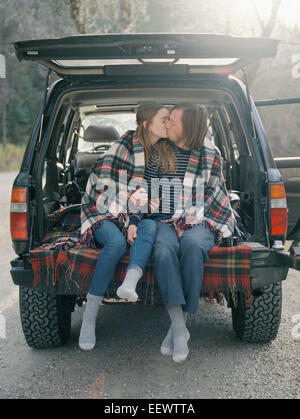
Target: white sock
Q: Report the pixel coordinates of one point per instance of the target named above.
(87, 338)
(180, 334)
(167, 344)
(127, 289)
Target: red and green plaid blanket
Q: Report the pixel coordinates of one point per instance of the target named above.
(68, 268)
(62, 265)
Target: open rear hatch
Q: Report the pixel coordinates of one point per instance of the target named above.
(87, 55)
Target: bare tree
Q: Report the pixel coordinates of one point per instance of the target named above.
(267, 27)
(6, 30)
(105, 16)
(125, 15)
(78, 15)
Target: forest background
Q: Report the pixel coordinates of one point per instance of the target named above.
(22, 84)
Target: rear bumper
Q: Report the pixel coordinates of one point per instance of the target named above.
(21, 271)
(263, 256)
(268, 266)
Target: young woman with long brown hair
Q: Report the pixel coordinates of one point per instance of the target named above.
(107, 227)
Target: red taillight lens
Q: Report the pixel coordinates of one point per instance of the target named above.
(18, 226)
(278, 221)
(278, 212)
(18, 214)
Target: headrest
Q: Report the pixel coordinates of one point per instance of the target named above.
(95, 133)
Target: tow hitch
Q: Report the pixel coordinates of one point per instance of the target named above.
(290, 256)
(295, 254)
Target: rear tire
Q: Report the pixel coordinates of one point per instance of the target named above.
(260, 322)
(45, 319)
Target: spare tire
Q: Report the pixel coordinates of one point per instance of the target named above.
(45, 319)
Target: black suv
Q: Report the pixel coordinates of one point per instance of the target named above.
(101, 80)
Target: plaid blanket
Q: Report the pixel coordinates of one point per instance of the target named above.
(43, 259)
(67, 267)
(65, 219)
(65, 233)
(123, 164)
(125, 161)
(227, 272)
(206, 164)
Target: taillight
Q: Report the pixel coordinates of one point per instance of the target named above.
(18, 214)
(278, 212)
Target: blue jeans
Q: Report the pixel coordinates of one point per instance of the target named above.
(179, 264)
(114, 246)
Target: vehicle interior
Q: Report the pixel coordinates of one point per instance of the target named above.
(87, 123)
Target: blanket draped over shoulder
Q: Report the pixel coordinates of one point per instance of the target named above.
(113, 179)
(120, 172)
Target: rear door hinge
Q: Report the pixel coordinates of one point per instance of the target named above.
(249, 103)
(44, 104)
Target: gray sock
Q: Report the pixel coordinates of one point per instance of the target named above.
(127, 289)
(87, 338)
(180, 334)
(167, 344)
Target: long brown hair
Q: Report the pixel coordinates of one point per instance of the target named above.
(194, 124)
(145, 113)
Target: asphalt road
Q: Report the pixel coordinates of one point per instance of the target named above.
(126, 362)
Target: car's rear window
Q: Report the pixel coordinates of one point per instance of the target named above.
(119, 120)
